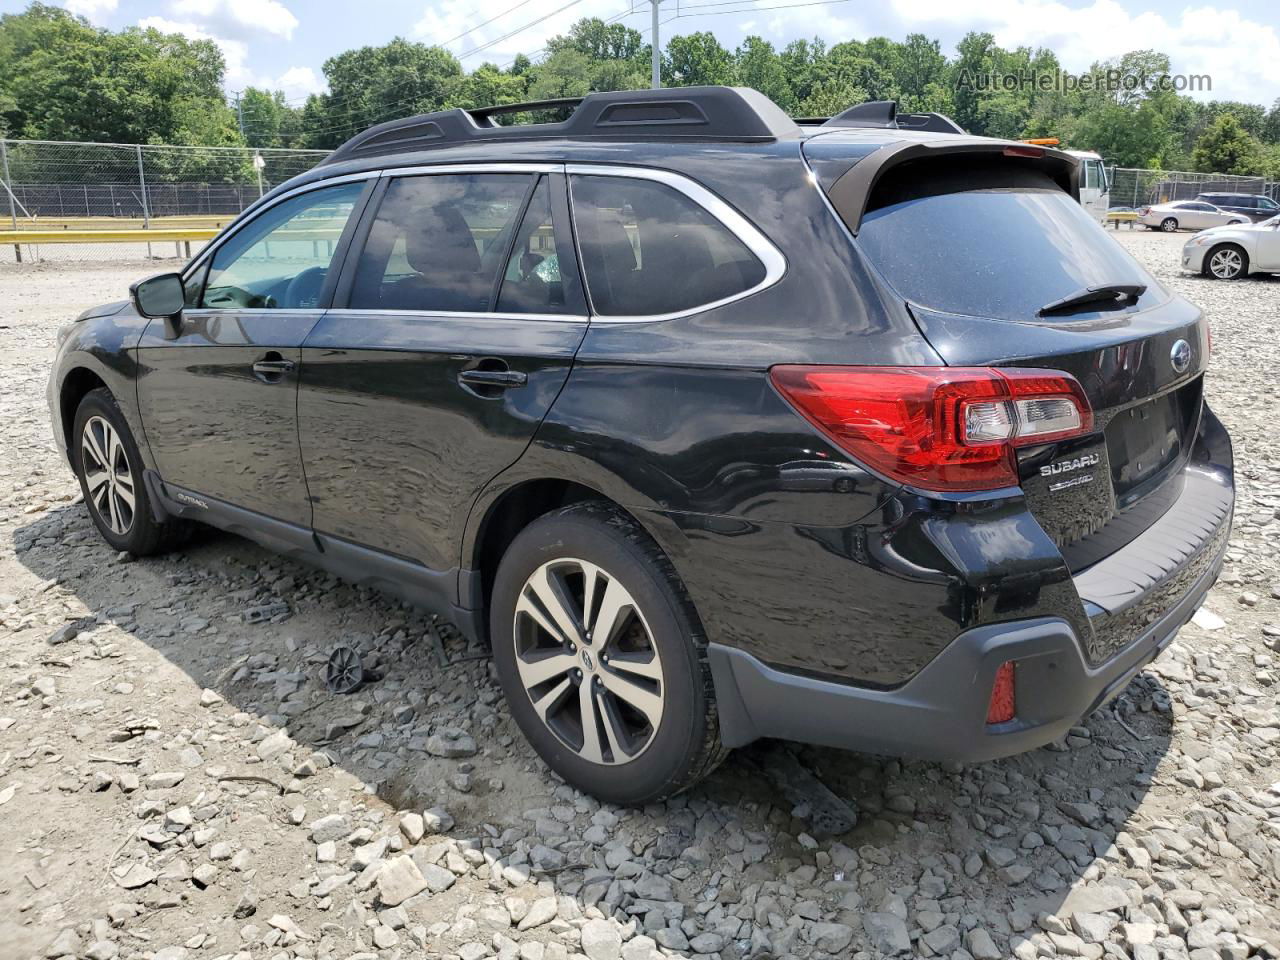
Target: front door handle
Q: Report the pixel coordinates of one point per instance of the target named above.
(493, 378)
(272, 367)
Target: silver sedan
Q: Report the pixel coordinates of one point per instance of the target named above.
(1228, 253)
(1186, 215)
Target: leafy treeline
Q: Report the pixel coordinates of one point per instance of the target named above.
(61, 78)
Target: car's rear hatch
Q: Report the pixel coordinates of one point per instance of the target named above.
(981, 243)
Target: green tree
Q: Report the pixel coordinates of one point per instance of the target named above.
(268, 120)
(757, 65)
(370, 85)
(696, 59)
(63, 79)
(1227, 147)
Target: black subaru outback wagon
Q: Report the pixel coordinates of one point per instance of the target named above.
(714, 425)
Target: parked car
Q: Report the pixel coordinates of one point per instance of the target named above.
(701, 419)
(1186, 215)
(1256, 206)
(1228, 253)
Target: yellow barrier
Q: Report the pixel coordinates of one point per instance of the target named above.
(1122, 215)
(109, 236)
(124, 223)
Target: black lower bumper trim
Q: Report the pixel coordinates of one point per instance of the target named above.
(940, 714)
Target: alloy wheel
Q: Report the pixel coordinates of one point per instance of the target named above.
(1226, 264)
(108, 477)
(588, 662)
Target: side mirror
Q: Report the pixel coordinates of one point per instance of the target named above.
(161, 296)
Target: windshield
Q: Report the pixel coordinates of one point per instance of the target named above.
(997, 243)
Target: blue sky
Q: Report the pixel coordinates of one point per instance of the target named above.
(283, 43)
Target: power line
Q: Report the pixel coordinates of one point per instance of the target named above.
(508, 36)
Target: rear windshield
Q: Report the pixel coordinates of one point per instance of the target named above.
(991, 241)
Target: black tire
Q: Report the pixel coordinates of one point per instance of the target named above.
(143, 535)
(1231, 268)
(1169, 225)
(685, 745)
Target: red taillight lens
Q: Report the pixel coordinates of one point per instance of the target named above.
(1002, 707)
(938, 428)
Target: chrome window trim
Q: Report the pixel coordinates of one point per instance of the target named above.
(775, 264)
(512, 167)
(212, 246)
(463, 314)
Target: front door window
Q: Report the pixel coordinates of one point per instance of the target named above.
(281, 260)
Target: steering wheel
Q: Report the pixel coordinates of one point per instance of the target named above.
(304, 289)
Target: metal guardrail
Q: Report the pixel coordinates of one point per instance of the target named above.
(122, 223)
(178, 235)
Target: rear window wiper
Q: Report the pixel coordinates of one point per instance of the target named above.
(1129, 292)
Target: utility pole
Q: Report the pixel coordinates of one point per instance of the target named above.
(657, 49)
(240, 113)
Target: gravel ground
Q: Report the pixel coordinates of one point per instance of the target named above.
(175, 782)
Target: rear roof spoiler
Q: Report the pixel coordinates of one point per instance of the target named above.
(850, 193)
(734, 114)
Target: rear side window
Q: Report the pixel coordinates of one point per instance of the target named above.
(532, 281)
(439, 242)
(989, 241)
(648, 249)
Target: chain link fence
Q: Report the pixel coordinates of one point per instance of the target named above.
(81, 188)
(1134, 188)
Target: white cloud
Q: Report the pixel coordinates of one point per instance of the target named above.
(240, 19)
(298, 82)
(92, 9)
(1241, 56)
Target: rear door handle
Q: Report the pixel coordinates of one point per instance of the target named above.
(501, 379)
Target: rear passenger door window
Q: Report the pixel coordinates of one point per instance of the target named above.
(439, 243)
(650, 250)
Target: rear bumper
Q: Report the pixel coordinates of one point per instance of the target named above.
(1149, 589)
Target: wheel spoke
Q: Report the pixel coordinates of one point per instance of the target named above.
(552, 697)
(642, 665)
(115, 452)
(644, 700)
(591, 577)
(538, 670)
(94, 447)
(590, 723)
(100, 496)
(614, 731)
(614, 607)
(95, 480)
(125, 496)
(115, 522)
(549, 589)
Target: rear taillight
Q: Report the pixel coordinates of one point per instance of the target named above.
(1002, 706)
(938, 428)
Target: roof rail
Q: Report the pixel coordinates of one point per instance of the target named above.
(883, 114)
(683, 113)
